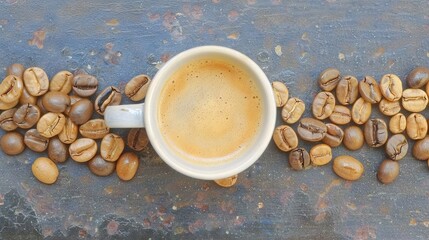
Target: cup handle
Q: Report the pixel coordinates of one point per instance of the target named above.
(124, 116)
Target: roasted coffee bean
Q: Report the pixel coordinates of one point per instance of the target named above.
(127, 166)
(285, 138)
(334, 135)
(293, 110)
(361, 111)
(136, 88)
(323, 105)
(34, 141)
(311, 129)
(56, 102)
(36, 81)
(45, 170)
(94, 128)
(51, 124)
(27, 98)
(320, 154)
(69, 133)
(341, 115)
(101, 167)
(388, 171)
(348, 167)
(111, 147)
(12, 143)
(389, 108)
(15, 69)
(26, 116)
(81, 111)
(83, 149)
(7, 106)
(62, 82)
(418, 77)
(110, 96)
(137, 139)
(281, 93)
(391, 87)
(11, 89)
(85, 85)
(414, 100)
(369, 90)
(397, 147)
(347, 90)
(398, 123)
(353, 138)
(421, 149)
(40, 106)
(417, 126)
(329, 78)
(73, 99)
(57, 151)
(375, 132)
(227, 182)
(299, 159)
(6, 120)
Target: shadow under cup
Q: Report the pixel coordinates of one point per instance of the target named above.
(254, 148)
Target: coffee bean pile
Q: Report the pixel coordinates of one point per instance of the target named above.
(351, 105)
(55, 116)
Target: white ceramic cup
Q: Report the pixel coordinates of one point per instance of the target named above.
(145, 115)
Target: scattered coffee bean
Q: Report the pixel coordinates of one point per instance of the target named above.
(56, 102)
(348, 167)
(285, 138)
(108, 97)
(414, 100)
(27, 98)
(40, 106)
(137, 139)
(320, 154)
(94, 128)
(353, 138)
(81, 111)
(16, 69)
(311, 129)
(45, 170)
(388, 171)
(341, 115)
(83, 149)
(347, 90)
(6, 106)
(397, 147)
(334, 135)
(6, 120)
(101, 167)
(12, 143)
(51, 124)
(389, 108)
(361, 111)
(281, 93)
(36, 81)
(137, 87)
(299, 159)
(227, 182)
(111, 147)
(85, 85)
(417, 126)
(34, 141)
(62, 82)
(293, 110)
(11, 89)
(57, 151)
(329, 78)
(26, 116)
(398, 123)
(369, 90)
(375, 132)
(418, 77)
(323, 105)
(421, 149)
(69, 133)
(391, 87)
(127, 166)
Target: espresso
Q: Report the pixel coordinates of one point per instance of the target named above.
(210, 111)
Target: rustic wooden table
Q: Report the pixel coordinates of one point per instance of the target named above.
(293, 41)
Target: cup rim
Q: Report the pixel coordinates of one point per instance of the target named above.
(158, 143)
